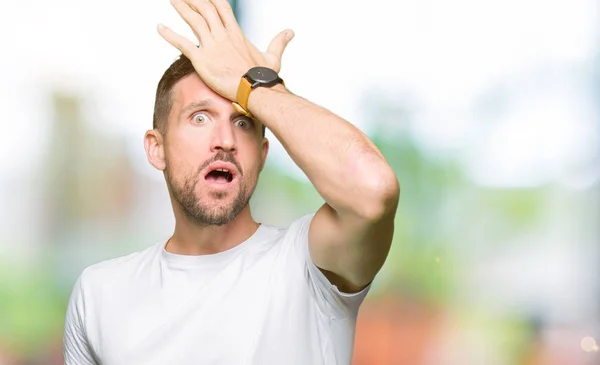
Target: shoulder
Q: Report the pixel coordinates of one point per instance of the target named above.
(113, 269)
(271, 234)
(299, 227)
(297, 232)
(286, 236)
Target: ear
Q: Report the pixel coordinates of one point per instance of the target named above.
(155, 149)
(265, 152)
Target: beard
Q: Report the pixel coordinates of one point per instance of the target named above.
(201, 212)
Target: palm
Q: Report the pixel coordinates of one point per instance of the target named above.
(267, 59)
(273, 62)
(223, 54)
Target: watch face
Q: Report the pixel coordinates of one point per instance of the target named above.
(262, 75)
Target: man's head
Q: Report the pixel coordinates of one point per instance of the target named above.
(210, 154)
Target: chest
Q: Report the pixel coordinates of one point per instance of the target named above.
(248, 307)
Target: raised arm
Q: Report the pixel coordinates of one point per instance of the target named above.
(350, 235)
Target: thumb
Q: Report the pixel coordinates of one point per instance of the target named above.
(279, 43)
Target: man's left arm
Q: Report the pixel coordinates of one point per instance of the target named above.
(350, 235)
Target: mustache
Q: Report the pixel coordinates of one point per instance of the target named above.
(224, 157)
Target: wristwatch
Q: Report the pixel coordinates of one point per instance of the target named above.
(255, 77)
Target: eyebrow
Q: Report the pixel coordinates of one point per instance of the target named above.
(204, 104)
(199, 104)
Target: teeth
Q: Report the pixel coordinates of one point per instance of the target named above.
(222, 170)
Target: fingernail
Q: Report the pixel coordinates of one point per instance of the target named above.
(289, 35)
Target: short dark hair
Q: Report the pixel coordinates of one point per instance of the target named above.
(163, 103)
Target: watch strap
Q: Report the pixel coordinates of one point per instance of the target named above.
(243, 93)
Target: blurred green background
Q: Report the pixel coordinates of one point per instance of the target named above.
(487, 111)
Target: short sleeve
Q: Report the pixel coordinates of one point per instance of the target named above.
(76, 348)
(329, 298)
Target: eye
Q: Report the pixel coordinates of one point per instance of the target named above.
(245, 123)
(200, 118)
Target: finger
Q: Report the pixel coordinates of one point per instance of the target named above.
(193, 19)
(226, 13)
(279, 43)
(207, 10)
(178, 41)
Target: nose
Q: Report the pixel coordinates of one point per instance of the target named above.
(223, 137)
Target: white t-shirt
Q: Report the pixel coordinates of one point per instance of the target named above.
(262, 302)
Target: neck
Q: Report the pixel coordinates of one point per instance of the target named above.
(192, 239)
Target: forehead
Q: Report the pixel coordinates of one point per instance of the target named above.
(191, 89)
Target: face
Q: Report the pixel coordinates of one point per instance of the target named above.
(213, 154)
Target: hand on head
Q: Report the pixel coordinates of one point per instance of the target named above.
(224, 54)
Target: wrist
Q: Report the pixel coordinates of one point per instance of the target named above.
(259, 94)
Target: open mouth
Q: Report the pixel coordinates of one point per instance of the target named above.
(220, 176)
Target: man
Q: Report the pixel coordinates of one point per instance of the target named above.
(225, 289)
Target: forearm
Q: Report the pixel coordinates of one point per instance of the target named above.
(345, 167)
